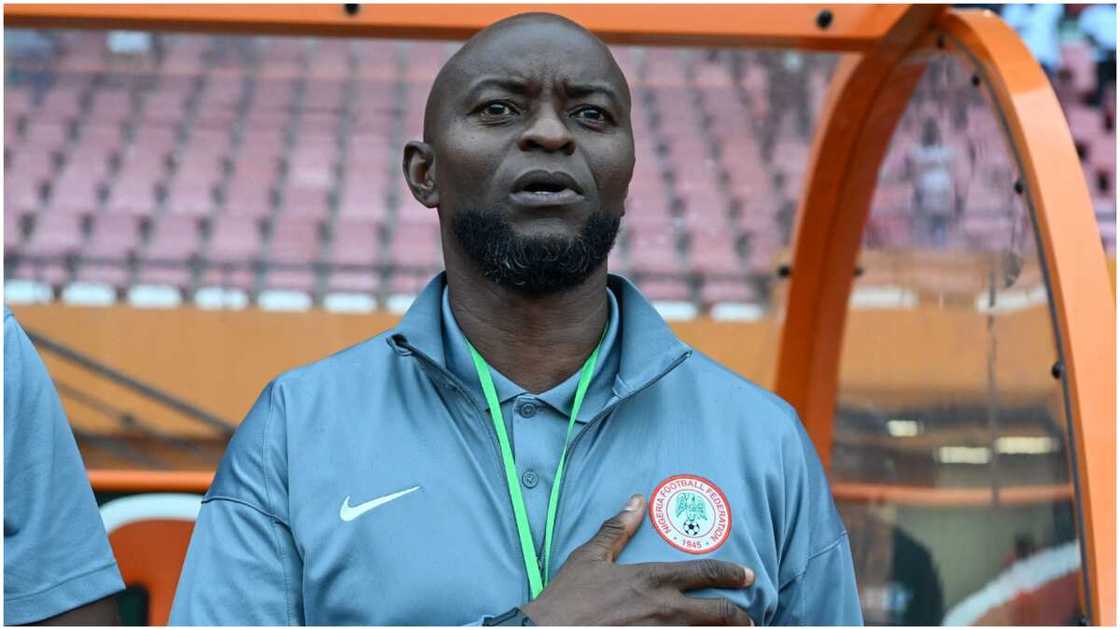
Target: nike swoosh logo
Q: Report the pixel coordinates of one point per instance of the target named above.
(350, 512)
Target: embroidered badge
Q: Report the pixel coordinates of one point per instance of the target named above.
(691, 513)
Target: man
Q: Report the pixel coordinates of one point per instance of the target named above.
(469, 465)
(935, 195)
(58, 566)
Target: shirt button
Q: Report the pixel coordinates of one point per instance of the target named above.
(530, 479)
(527, 410)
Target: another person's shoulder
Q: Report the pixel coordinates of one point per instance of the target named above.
(11, 325)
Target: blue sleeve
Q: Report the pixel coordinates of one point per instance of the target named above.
(825, 593)
(56, 554)
(817, 576)
(242, 567)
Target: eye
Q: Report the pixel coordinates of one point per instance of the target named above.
(496, 109)
(592, 114)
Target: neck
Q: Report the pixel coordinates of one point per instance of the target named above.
(536, 341)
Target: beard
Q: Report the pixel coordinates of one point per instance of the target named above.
(534, 265)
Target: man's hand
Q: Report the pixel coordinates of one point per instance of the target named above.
(591, 589)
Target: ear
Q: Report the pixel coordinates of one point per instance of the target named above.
(420, 172)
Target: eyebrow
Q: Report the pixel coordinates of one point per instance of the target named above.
(521, 86)
(594, 87)
(514, 85)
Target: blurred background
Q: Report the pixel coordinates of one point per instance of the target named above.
(186, 216)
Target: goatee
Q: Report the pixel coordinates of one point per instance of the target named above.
(535, 265)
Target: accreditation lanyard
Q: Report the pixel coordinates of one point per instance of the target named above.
(533, 565)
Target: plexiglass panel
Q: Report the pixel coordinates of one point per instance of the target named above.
(954, 480)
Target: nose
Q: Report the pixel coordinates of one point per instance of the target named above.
(547, 132)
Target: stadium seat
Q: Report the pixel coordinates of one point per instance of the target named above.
(248, 196)
(48, 136)
(114, 236)
(665, 289)
(13, 228)
(264, 145)
(716, 291)
(713, 252)
(416, 246)
(114, 276)
(355, 243)
(76, 191)
(294, 241)
(61, 104)
(234, 239)
(340, 281)
(110, 106)
(55, 235)
(134, 192)
(306, 202)
(653, 252)
(301, 281)
(189, 197)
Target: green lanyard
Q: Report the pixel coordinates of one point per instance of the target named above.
(533, 565)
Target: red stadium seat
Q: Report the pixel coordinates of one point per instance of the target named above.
(290, 280)
(295, 240)
(116, 276)
(55, 234)
(13, 228)
(715, 291)
(665, 290)
(306, 202)
(653, 251)
(365, 282)
(354, 243)
(234, 239)
(46, 135)
(114, 236)
(61, 103)
(189, 197)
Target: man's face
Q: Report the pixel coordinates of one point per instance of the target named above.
(533, 154)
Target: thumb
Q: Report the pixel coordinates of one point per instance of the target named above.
(616, 531)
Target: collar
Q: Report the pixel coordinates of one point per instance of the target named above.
(560, 397)
(646, 347)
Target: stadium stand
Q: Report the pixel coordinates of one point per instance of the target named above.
(266, 170)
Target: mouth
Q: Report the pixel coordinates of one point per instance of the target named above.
(541, 188)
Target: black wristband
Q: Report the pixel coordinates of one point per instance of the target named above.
(512, 617)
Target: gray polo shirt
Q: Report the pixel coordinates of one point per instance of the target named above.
(56, 554)
(537, 424)
(367, 488)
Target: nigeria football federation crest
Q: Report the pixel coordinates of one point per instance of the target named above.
(691, 513)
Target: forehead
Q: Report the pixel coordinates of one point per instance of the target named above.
(540, 51)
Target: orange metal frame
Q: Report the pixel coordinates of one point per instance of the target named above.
(869, 93)
(850, 27)
(1083, 304)
(843, 168)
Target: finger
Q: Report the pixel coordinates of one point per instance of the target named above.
(616, 531)
(715, 611)
(691, 575)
